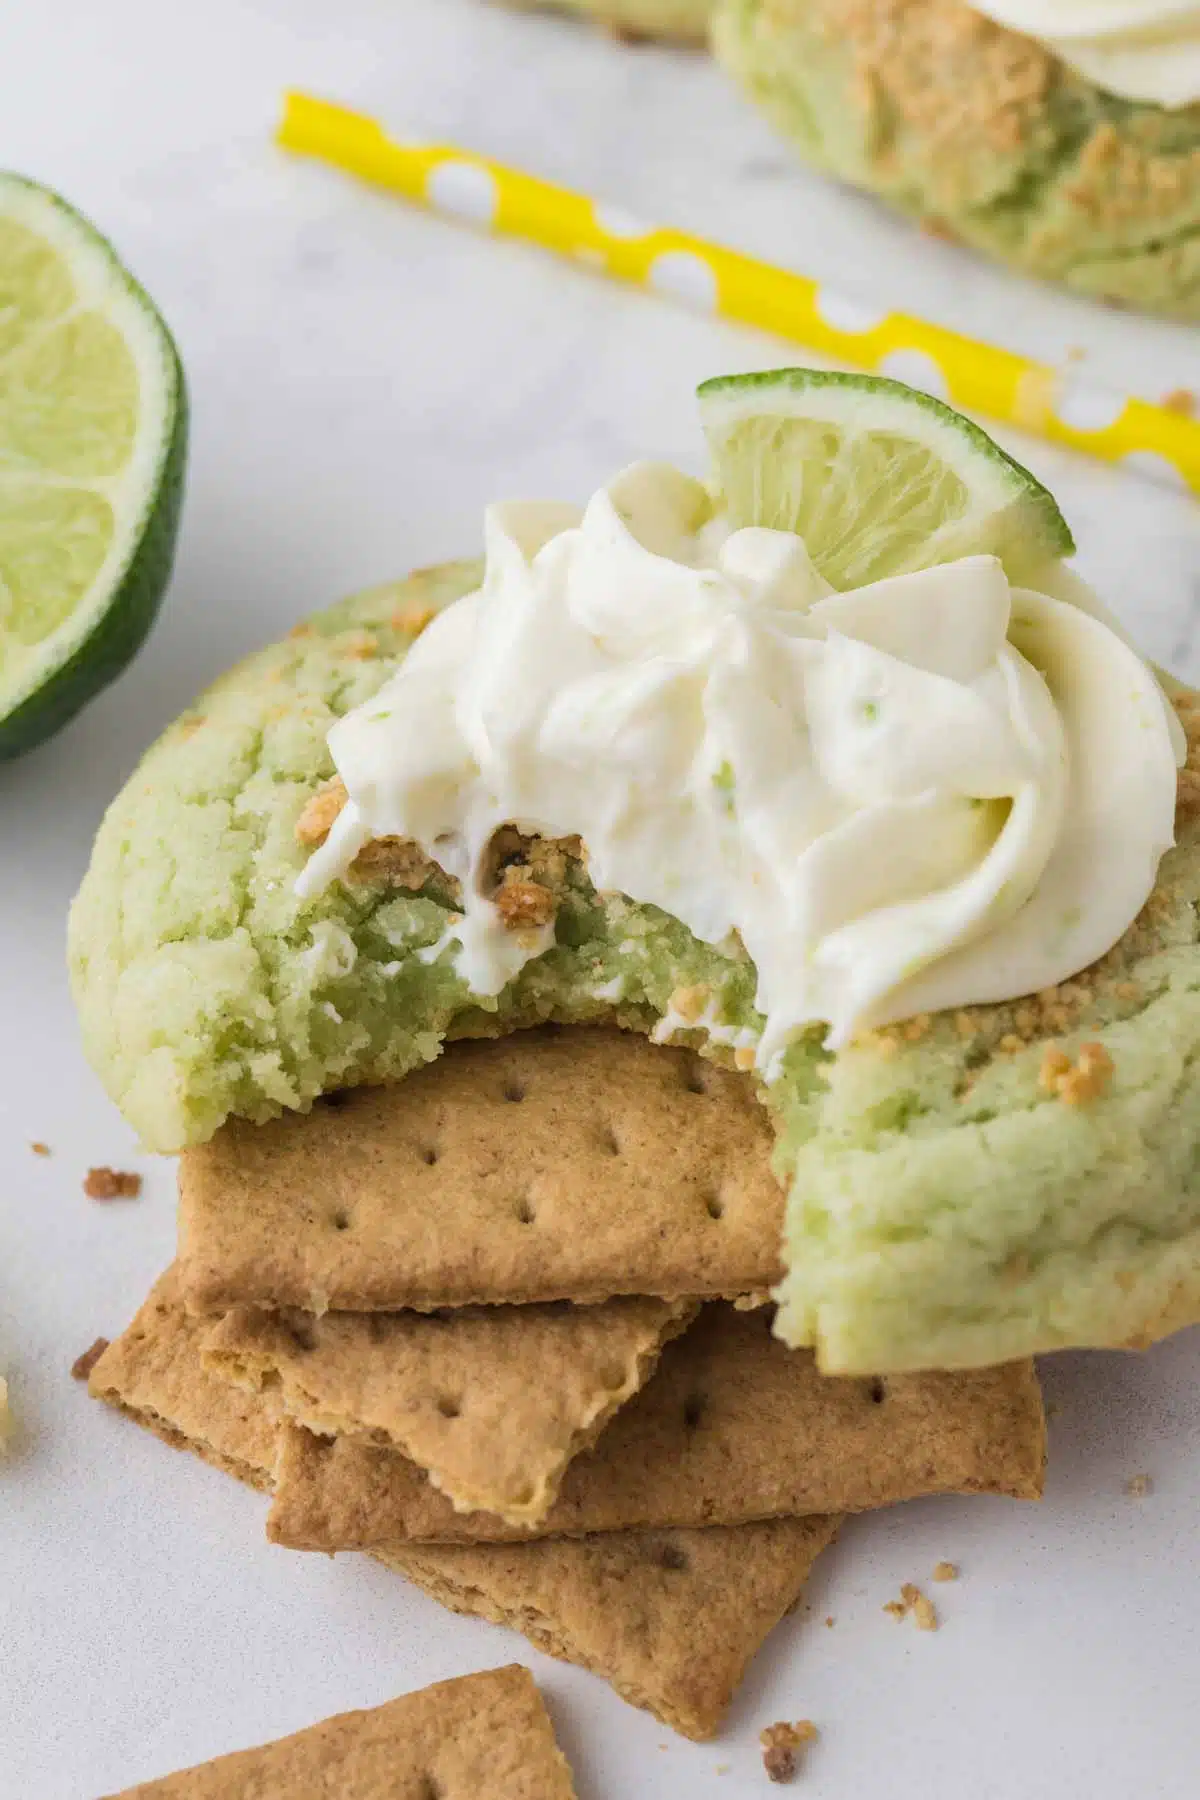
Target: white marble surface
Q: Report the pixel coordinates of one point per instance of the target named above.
(363, 379)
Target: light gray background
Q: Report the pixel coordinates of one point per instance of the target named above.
(364, 378)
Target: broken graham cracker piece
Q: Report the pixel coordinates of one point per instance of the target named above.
(733, 1426)
(153, 1373)
(493, 1402)
(669, 1619)
(563, 1165)
(480, 1737)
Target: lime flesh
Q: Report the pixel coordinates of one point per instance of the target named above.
(93, 428)
(876, 477)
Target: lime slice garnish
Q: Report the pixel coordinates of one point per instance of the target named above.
(876, 477)
(93, 431)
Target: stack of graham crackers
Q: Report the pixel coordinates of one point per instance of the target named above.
(501, 1325)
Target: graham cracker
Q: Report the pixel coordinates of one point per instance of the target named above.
(153, 1373)
(481, 1737)
(492, 1401)
(547, 1165)
(732, 1427)
(668, 1619)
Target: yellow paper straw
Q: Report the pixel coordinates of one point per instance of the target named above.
(1065, 408)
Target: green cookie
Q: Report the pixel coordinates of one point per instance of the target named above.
(684, 21)
(984, 134)
(964, 1189)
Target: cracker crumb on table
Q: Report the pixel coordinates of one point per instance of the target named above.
(1138, 1486)
(780, 1743)
(945, 1571)
(83, 1365)
(39, 1149)
(913, 1601)
(112, 1184)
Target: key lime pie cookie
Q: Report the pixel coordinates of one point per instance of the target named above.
(680, 21)
(832, 769)
(1072, 152)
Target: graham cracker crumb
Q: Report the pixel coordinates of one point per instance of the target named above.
(522, 904)
(780, 1743)
(1139, 1486)
(112, 1184)
(360, 645)
(1076, 1083)
(913, 1601)
(316, 821)
(83, 1365)
(689, 1003)
(921, 1607)
(395, 859)
(40, 1149)
(1180, 400)
(945, 1571)
(412, 619)
(829, 1619)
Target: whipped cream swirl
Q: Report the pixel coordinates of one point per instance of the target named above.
(1142, 49)
(932, 791)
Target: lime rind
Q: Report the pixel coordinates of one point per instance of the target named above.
(43, 684)
(908, 482)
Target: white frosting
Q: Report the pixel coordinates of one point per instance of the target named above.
(1143, 49)
(928, 792)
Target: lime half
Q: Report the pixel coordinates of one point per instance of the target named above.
(93, 433)
(877, 478)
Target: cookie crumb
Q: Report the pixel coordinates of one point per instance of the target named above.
(83, 1365)
(780, 1743)
(39, 1149)
(945, 1571)
(1180, 400)
(1138, 1486)
(829, 1619)
(896, 1609)
(112, 1184)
